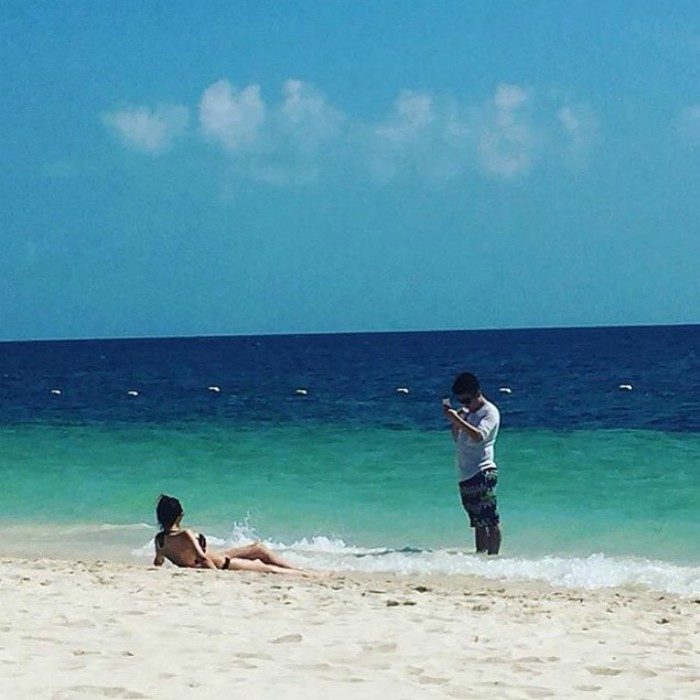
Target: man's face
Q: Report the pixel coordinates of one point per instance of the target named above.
(465, 399)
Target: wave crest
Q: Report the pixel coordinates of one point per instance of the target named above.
(590, 572)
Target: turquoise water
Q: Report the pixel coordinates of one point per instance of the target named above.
(619, 492)
(599, 485)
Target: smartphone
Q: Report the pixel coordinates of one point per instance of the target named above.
(446, 403)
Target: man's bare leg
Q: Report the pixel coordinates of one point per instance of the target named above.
(494, 539)
(481, 538)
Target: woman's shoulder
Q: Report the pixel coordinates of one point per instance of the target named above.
(189, 535)
(180, 534)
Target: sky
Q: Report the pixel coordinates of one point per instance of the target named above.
(220, 168)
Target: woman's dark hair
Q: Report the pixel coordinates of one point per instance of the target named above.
(466, 383)
(168, 510)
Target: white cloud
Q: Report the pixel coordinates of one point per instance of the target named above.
(580, 129)
(275, 144)
(306, 118)
(507, 143)
(148, 130)
(688, 125)
(421, 136)
(568, 119)
(509, 97)
(302, 137)
(412, 117)
(231, 117)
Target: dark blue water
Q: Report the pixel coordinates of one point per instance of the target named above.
(560, 378)
(597, 486)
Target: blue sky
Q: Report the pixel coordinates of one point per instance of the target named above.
(178, 168)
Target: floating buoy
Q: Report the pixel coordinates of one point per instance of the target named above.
(402, 390)
(215, 389)
(132, 393)
(625, 387)
(505, 390)
(56, 392)
(301, 392)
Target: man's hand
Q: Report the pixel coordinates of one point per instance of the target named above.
(452, 415)
(459, 423)
(455, 424)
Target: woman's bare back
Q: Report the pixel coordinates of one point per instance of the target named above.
(178, 547)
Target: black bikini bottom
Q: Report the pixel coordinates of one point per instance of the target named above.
(227, 561)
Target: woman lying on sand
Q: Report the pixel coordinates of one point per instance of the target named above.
(184, 548)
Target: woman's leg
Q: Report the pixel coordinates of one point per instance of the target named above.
(243, 564)
(255, 550)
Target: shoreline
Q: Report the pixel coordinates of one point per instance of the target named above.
(132, 548)
(105, 629)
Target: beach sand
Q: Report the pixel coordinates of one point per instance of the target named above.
(99, 629)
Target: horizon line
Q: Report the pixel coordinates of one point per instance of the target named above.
(354, 332)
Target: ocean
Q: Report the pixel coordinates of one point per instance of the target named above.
(306, 443)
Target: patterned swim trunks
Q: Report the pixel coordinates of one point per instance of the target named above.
(479, 498)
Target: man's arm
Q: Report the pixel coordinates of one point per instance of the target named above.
(458, 423)
(446, 412)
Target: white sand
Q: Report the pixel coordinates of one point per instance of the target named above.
(86, 630)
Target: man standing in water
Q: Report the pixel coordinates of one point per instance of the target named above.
(474, 430)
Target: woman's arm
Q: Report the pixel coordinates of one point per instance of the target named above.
(159, 558)
(202, 557)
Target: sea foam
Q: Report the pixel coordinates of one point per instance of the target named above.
(589, 572)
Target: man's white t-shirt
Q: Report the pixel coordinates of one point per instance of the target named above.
(473, 457)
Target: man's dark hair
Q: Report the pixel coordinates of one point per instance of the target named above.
(168, 511)
(466, 383)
